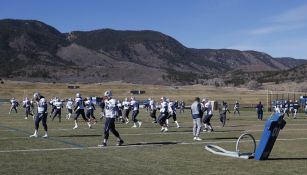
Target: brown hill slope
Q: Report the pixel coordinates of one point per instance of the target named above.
(32, 50)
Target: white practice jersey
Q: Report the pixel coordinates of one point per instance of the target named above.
(26, 103)
(126, 104)
(69, 104)
(110, 109)
(277, 109)
(135, 105)
(208, 106)
(58, 104)
(152, 105)
(42, 105)
(171, 107)
(164, 107)
(14, 102)
(89, 104)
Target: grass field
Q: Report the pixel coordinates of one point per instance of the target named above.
(146, 150)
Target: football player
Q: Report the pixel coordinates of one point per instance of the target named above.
(111, 112)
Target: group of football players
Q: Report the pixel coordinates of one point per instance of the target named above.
(115, 110)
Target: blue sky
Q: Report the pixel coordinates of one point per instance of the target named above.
(277, 27)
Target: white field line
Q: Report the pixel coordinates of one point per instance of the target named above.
(159, 133)
(144, 144)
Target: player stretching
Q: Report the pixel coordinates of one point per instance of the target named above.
(69, 106)
(111, 111)
(58, 105)
(127, 107)
(163, 114)
(79, 110)
(27, 105)
(152, 110)
(135, 111)
(41, 114)
(207, 115)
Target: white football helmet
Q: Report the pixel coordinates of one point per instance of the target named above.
(108, 93)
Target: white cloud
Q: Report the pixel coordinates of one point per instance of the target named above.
(275, 28)
(293, 15)
(289, 20)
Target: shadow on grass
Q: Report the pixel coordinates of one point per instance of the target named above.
(153, 143)
(289, 158)
(235, 126)
(233, 130)
(91, 135)
(224, 138)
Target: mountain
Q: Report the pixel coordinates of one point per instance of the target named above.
(34, 51)
(294, 74)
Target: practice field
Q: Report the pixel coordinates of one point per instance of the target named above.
(146, 149)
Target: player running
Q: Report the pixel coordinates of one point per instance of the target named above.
(207, 115)
(172, 112)
(14, 105)
(90, 107)
(79, 110)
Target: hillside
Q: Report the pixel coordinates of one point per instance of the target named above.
(34, 51)
(297, 74)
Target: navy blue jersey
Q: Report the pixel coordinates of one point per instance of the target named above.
(259, 108)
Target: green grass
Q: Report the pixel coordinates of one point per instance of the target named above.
(144, 152)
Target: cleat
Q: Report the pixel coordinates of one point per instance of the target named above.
(194, 138)
(45, 136)
(120, 143)
(140, 124)
(165, 130)
(134, 126)
(102, 145)
(162, 129)
(205, 130)
(26, 118)
(198, 139)
(34, 135)
(76, 126)
(178, 126)
(89, 125)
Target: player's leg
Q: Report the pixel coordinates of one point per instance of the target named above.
(44, 123)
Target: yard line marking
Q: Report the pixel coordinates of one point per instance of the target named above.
(142, 144)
